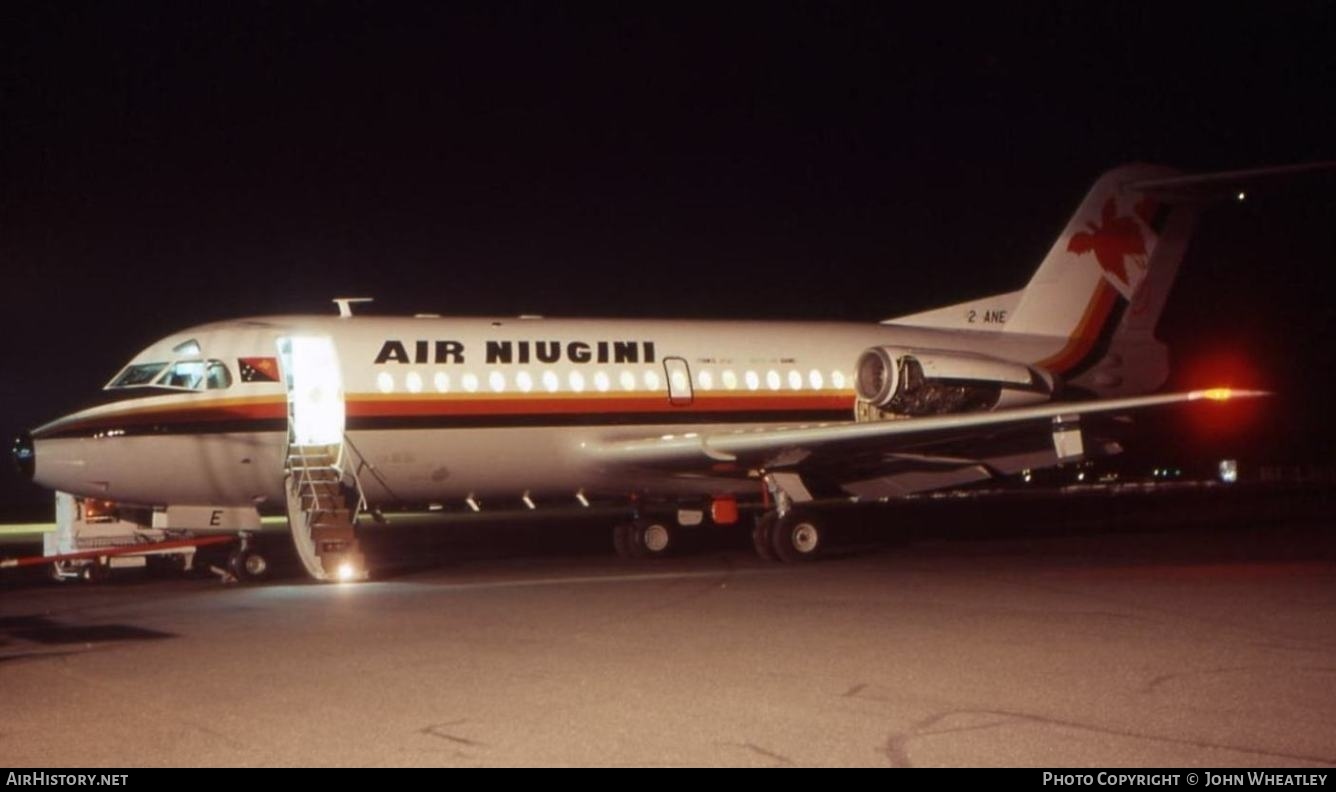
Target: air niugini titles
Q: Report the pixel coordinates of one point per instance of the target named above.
(499, 352)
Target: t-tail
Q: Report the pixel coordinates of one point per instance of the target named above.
(1104, 283)
(1093, 304)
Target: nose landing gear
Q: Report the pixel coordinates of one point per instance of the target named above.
(247, 564)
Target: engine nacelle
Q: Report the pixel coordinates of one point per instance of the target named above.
(898, 381)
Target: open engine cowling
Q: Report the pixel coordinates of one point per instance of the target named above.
(906, 382)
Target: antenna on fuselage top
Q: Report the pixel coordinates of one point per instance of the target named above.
(346, 304)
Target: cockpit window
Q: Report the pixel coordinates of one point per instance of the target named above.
(196, 375)
(182, 375)
(188, 374)
(141, 374)
(216, 376)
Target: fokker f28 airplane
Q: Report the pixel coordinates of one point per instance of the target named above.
(330, 416)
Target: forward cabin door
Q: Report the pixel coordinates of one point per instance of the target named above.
(679, 381)
(315, 390)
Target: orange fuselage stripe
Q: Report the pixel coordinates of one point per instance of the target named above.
(413, 405)
(1087, 330)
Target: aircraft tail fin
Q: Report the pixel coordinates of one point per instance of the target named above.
(1121, 248)
(1101, 258)
(1101, 289)
(1103, 286)
(1098, 294)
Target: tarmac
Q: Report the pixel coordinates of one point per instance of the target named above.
(1173, 646)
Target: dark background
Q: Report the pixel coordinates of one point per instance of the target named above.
(165, 165)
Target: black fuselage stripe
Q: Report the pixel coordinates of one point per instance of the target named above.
(1103, 342)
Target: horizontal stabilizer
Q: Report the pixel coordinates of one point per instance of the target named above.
(1206, 187)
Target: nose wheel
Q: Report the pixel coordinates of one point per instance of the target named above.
(247, 563)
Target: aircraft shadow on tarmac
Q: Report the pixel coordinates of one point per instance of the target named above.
(396, 550)
(19, 634)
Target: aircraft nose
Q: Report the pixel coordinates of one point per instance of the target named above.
(25, 457)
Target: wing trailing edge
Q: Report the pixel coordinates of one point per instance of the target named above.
(785, 446)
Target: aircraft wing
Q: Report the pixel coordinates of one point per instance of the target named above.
(894, 457)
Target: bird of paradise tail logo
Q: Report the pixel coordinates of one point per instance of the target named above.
(1119, 243)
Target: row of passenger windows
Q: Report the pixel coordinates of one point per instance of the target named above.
(577, 381)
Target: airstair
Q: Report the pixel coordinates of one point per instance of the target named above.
(323, 496)
(319, 514)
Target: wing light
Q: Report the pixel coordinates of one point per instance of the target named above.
(1225, 394)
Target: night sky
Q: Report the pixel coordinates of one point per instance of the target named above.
(162, 166)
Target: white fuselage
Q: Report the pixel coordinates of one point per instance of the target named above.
(439, 409)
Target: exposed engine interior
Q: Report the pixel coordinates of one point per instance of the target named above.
(897, 383)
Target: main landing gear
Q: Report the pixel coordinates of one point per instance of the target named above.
(792, 531)
(800, 534)
(797, 535)
(643, 537)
